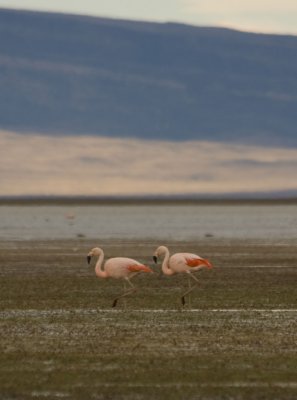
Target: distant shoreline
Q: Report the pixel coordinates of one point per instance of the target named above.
(122, 201)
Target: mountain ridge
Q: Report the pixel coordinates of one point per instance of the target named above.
(81, 75)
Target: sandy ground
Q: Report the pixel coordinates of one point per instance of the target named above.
(60, 338)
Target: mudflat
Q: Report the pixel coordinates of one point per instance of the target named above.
(60, 337)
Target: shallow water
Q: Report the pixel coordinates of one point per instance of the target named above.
(170, 222)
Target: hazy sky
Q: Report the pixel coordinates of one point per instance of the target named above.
(276, 16)
(40, 165)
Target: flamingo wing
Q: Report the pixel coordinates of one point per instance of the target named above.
(138, 268)
(197, 262)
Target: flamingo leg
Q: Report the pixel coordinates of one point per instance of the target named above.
(190, 297)
(186, 293)
(194, 277)
(190, 289)
(126, 292)
(124, 300)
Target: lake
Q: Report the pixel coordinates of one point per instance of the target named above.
(147, 221)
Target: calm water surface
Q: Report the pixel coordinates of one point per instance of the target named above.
(171, 222)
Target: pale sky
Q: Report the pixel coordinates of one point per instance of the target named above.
(272, 16)
(109, 166)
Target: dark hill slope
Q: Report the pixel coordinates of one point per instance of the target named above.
(82, 75)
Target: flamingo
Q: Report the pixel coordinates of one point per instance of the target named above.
(181, 263)
(118, 268)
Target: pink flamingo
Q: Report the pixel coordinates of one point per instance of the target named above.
(118, 268)
(181, 263)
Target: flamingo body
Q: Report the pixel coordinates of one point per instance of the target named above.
(187, 262)
(123, 267)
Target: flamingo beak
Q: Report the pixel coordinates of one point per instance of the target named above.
(89, 259)
(155, 258)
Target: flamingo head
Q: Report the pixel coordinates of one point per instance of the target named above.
(94, 252)
(161, 250)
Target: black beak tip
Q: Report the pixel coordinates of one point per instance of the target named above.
(89, 259)
(155, 259)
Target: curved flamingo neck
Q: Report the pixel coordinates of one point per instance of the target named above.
(165, 265)
(98, 268)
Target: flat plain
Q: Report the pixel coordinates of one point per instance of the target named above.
(60, 338)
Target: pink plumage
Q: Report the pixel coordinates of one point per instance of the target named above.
(187, 262)
(181, 263)
(117, 268)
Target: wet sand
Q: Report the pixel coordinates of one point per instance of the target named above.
(60, 338)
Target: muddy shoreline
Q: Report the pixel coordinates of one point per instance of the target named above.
(60, 337)
(85, 201)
